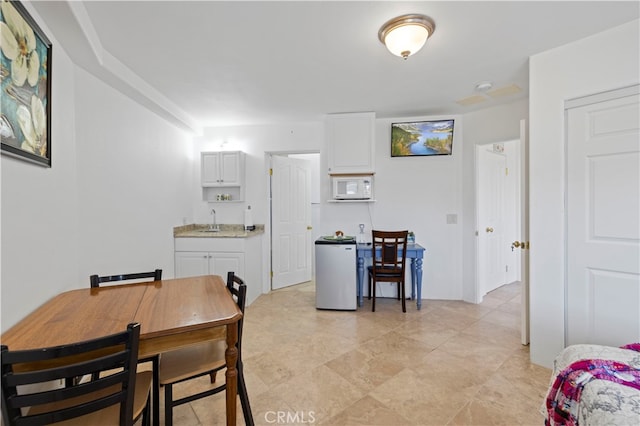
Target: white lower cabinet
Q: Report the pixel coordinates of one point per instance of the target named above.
(194, 263)
(218, 256)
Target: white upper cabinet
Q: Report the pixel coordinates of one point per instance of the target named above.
(222, 175)
(350, 143)
(224, 168)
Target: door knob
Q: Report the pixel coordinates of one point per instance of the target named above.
(489, 229)
(522, 244)
(309, 228)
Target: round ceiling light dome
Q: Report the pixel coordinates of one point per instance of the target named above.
(406, 34)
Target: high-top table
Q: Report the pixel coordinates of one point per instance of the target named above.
(415, 252)
(172, 314)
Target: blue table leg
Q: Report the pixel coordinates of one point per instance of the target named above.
(419, 281)
(360, 280)
(413, 279)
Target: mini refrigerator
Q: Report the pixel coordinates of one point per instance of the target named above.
(336, 282)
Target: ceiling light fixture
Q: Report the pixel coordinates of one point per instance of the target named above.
(484, 86)
(406, 34)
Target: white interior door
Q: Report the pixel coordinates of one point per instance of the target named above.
(491, 172)
(603, 230)
(290, 221)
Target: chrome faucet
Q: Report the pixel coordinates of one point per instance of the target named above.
(214, 226)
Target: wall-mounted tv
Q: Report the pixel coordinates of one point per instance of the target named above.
(421, 138)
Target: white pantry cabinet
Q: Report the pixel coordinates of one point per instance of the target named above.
(350, 142)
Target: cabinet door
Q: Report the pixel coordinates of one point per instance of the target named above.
(350, 143)
(230, 168)
(210, 168)
(222, 263)
(191, 263)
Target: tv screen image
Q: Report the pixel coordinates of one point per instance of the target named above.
(421, 138)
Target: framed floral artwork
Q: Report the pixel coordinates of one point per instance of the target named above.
(25, 77)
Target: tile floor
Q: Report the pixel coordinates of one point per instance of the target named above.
(451, 363)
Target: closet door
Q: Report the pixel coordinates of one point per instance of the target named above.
(603, 230)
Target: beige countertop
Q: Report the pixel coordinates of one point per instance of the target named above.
(226, 231)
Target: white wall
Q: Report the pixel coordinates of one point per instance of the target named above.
(120, 180)
(417, 193)
(136, 182)
(40, 209)
(605, 61)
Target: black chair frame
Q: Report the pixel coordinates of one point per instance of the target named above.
(238, 288)
(95, 280)
(117, 351)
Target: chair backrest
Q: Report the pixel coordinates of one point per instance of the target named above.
(238, 289)
(389, 251)
(39, 367)
(95, 280)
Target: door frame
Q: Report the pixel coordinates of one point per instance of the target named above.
(523, 152)
(521, 199)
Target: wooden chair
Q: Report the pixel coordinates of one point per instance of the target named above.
(95, 402)
(96, 280)
(389, 255)
(204, 359)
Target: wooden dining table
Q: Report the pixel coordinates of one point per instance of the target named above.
(172, 313)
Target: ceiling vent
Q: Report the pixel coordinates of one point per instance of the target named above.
(471, 100)
(484, 88)
(504, 91)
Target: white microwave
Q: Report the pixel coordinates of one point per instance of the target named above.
(352, 187)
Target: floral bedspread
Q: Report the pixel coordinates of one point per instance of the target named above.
(594, 385)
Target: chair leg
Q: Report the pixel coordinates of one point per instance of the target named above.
(404, 299)
(373, 304)
(156, 390)
(168, 404)
(146, 414)
(244, 397)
